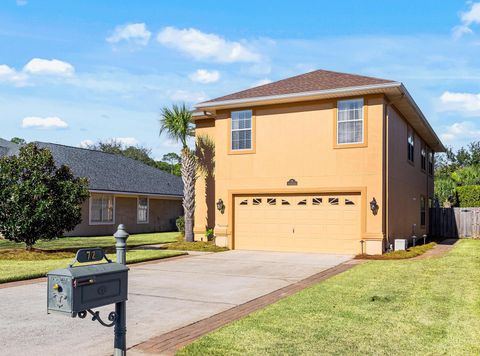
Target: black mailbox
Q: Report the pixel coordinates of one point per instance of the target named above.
(77, 289)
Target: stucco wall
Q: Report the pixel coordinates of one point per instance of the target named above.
(406, 181)
(297, 141)
(162, 215)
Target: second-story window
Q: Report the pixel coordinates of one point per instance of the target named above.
(410, 145)
(241, 130)
(350, 121)
(430, 162)
(423, 158)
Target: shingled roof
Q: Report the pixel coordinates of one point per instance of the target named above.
(111, 172)
(312, 81)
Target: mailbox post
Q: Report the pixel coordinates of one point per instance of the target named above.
(120, 344)
(77, 290)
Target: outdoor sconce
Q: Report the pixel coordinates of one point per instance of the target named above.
(220, 206)
(374, 206)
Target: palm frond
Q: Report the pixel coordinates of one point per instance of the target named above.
(177, 123)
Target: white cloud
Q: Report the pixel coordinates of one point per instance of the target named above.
(85, 143)
(22, 2)
(135, 33)
(46, 66)
(37, 122)
(466, 104)
(261, 82)
(460, 132)
(205, 76)
(126, 141)
(468, 18)
(206, 46)
(189, 97)
(10, 75)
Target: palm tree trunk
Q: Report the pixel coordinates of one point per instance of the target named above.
(189, 176)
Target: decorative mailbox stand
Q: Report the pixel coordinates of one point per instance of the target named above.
(75, 291)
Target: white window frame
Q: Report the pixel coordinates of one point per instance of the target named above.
(90, 222)
(362, 120)
(232, 130)
(148, 209)
(410, 133)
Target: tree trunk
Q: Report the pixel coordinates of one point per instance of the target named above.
(189, 176)
(29, 248)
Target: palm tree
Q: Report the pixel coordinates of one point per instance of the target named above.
(177, 123)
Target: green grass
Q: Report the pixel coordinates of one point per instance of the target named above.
(29, 265)
(398, 307)
(195, 246)
(94, 241)
(400, 255)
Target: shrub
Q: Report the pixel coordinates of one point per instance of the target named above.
(209, 234)
(180, 222)
(469, 196)
(37, 199)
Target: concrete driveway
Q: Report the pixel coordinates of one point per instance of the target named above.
(163, 296)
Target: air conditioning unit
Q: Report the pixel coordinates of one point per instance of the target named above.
(401, 244)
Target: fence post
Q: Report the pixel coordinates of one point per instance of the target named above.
(120, 343)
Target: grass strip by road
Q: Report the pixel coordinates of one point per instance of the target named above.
(95, 241)
(397, 307)
(27, 266)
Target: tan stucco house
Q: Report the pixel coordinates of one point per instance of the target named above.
(122, 191)
(321, 162)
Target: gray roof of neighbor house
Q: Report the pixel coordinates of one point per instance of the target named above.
(8, 148)
(110, 172)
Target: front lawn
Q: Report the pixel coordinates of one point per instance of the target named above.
(21, 265)
(398, 307)
(73, 243)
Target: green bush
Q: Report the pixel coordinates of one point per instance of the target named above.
(209, 234)
(180, 222)
(37, 199)
(469, 196)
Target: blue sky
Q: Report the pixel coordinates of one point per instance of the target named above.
(73, 72)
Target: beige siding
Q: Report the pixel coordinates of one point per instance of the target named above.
(406, 181)
(162, 215)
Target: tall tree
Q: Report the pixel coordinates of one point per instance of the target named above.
(172, 158)
(37, 199)
(18, 140)
(138, 153)
(177, 123)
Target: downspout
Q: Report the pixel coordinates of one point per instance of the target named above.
(386, 174)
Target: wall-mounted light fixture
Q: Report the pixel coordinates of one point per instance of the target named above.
(220, 206)
(374, 206)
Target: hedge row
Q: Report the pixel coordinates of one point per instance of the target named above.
(469, 196)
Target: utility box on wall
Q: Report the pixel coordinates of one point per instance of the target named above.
(76, 289)
(401, 244)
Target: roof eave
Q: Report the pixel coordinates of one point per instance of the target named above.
(439, 147)
(293, 96)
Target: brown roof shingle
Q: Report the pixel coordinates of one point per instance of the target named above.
(312, 81)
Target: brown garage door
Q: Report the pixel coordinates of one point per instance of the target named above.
(316, 223)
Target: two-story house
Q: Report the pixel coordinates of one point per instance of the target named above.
(322, 162)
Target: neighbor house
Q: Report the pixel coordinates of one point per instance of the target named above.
(122, 190)
(322, 162)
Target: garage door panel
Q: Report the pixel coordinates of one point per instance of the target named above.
(317, 223)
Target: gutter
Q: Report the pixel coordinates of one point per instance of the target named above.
(166, 196)
(420, 113)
